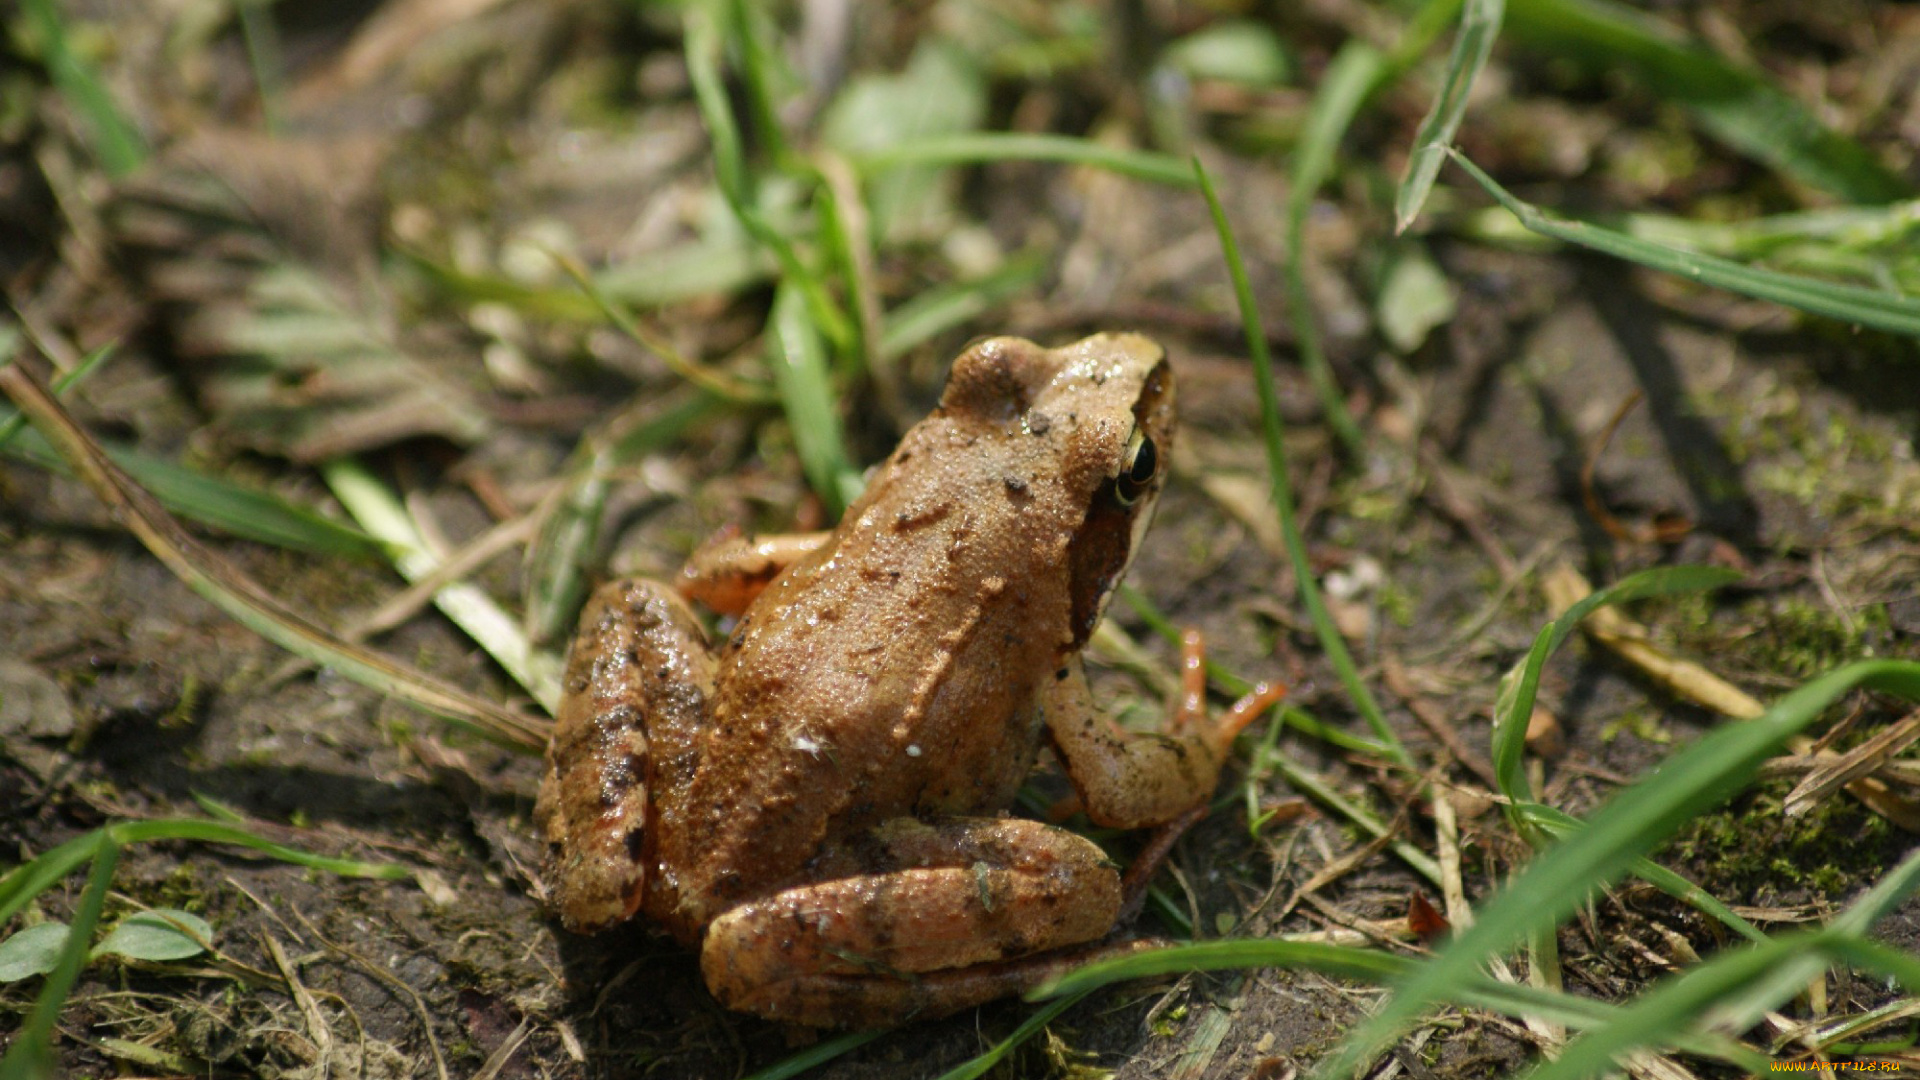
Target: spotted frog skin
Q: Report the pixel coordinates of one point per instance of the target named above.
(819, 805)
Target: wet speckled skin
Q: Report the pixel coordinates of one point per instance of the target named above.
(815, 806)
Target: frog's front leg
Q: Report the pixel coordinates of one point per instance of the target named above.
(728, 571)
(913, 919)
(1131, 780)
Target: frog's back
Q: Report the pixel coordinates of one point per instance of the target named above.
(893, 672)
(904, 661)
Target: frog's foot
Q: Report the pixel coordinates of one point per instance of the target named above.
(639, 664)
(913, 919)
(1133, 780)
(1191, 716)
(728, 571)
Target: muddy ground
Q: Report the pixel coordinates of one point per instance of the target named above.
(1769, 442)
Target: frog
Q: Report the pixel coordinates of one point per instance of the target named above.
(819, 806)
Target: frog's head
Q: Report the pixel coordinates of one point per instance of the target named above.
(1098, 415)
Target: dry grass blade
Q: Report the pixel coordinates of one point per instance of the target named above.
(1607, 627)
(1685, 679)
(317, 1027)
(1838, 771)
(503, 1053)
(214, 578)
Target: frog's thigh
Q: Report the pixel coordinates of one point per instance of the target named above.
(635, 692)
(1127, 779)
(916, 899)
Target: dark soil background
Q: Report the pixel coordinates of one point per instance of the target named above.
(409, 136)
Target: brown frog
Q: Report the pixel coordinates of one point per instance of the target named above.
(819, 806)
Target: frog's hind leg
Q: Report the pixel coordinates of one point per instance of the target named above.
(636, 689)
(914, 919)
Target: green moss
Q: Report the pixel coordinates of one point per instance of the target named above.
(1396, 603)
(1803, 639)
(186, 710)
(181, 888)
(1643, 724)
(1752, 852)
(1790, 637)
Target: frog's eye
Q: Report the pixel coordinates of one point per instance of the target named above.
(1137, 469)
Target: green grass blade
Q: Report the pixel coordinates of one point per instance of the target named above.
(116, 142)
(816, 1055)
(1313, 727)
(31, 1055)
(1340, 961)
(988, 146)
(1883, 960)
(1514, 705)
(1663, 1014)
(720, 384)
(1751, 1003)
(799, 362)
(240, 511)
(1691, 782)
(217, 580)
(934, 311)
(11, 421)
(1583, 1014)
(1847, 228)
(1357, 70)
(219, 832)
(1733, 986)
(1366, 966)
(20, 885)
(704, 45)
(658, 278)
(1541, 820)
(1028, 1029)
(1479, 25)
(1281, 491)
(703, 48)
(1311, 786)
(845, 235)
(747, 30)
(1736, 105)
(685, 272)
(471, 609)
(569, 533)
(1849, 303)
(266, 59)
(209, 500)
